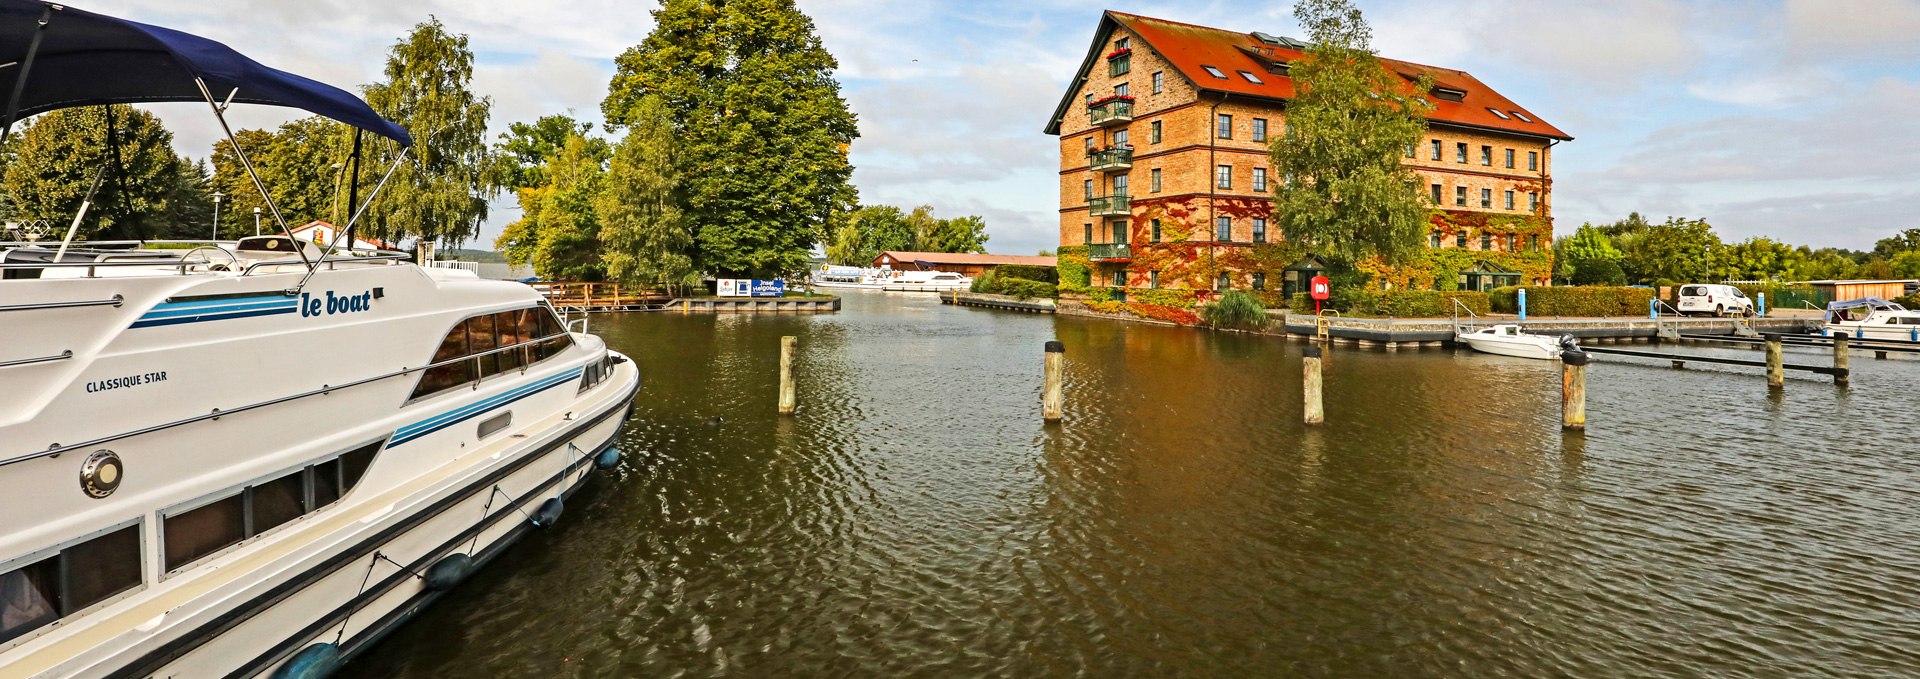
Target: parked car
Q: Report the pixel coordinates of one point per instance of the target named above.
(1718, 300)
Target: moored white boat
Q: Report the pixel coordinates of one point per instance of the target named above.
(255, 458)
(927, 281)
(1509, 339)
(1872, 318)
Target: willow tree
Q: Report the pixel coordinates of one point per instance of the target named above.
(1348, 197)
(52, 163)
(642, 226)
(763, 129)
(440, 193)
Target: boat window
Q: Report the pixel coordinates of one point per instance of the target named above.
(483, 338)
(326, 483)
(478, 337)
(278, 501)
(69, 581)
(211, 527)
(198, 532)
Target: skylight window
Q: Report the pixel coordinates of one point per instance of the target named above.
(1521, 116)
(1496, 113)
(1214, 72)
(1251, 77)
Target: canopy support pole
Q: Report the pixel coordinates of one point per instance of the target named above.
(353, 185)
(220, 114)
(26, 68)
(347, 231)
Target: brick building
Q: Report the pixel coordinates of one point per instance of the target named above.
(1164, 174)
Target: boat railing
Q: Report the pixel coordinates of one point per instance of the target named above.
(181, 263)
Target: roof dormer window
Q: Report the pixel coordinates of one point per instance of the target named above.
(1449, 94)
(1214, 72)
(1252, 78)
(1496, 113)
(1522, 116)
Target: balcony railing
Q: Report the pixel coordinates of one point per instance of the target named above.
(1111, 112)
(1106, 206)
(1109, 251)
(1112, 160)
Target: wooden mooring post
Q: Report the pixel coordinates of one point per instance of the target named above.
(1316, 412)
(788, 399)
(1776, 362)
(1052, 398)
(1840, 359)
(1573, 390)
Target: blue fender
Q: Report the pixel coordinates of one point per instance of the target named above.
(313, 662)
(607, 458)
(548, 513)
(448, 571)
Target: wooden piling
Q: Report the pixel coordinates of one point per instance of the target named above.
(1840, 358)
(1316, 412)
(1776, 362)
(788, 399)
(1052, 398)
(1573, 390)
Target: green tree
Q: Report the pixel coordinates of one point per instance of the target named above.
(1676, 250)
(1598, 272)
(559, 231)
(526, 147)
(1756, 259)
(54, 160)
(1350, 198)
(848, 247)
(763, 129)
(1905, 241)
(1906, 264)
(959, 234)
(301, 163)
(441, 192)
(1824, 264)
(641, 222)
(886, 228)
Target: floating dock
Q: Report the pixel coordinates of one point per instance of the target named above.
(1037, 305)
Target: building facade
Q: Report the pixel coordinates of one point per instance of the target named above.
(1165, 179)
(963, 263)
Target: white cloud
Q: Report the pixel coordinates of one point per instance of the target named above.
(1870, 29)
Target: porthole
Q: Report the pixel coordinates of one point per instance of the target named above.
(101, 473)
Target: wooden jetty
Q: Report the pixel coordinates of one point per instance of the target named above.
(1038, 305)
(604, 297)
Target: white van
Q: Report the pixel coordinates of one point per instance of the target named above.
(1718, 300)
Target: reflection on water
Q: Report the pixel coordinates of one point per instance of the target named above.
(916, 517)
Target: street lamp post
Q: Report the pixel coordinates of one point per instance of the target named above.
(256, 221)
(217, 197)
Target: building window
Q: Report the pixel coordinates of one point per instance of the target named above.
(1223, 229)
(1223, 176)
(1154, 180)
(1521, 116)
(1089, 237)
(1486, 241)
(1486, 198)
(1259, 281)
(1433, 239)
(1533, 242)
(1153, 279)
(1259, 129)
(69, 581)
(1460, 196)
(1533, 202)
(1533, 160)
(1121, 44)
(1120, 90)
(1409, 149)
(1119, 185)
(1214, 72)
(1159, 82)
(1120, 139)
(1156, 230)
(1117, 231)
(1509, 159)
(1259, 229)
(1120, 278)
(1260, 179)
(1089, 98)
(1225, 282)
(1513, 242)
(1436, 142)
(1486, 156)
(1154, 134)
(1460, 152)
(1119, 65)
(1087, 185)
(1225, 127)
(1436, 194)
(1509, 196)
(1460, 238)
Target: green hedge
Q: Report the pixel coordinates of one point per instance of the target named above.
(1044, 274)
(993, 284)
(1399, 303)
(1576, 300)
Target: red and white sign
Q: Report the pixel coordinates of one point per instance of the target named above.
(1321, 288)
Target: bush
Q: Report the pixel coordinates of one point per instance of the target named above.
(1598, 272)
(1044, 274)
(984, 283)
(1024, 289)
(1414, 303)
(1574, 301)
(1172, 297)
(1235, 309)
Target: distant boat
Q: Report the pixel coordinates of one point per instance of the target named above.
(927, 281)
(1508, 339)
(1872, 318)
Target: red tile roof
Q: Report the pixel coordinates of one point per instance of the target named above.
(966, 258)
(1189, 47)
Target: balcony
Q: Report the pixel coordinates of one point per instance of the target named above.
(1111, 111)
(1109, 252)
(1108, 206)
(1112, 160)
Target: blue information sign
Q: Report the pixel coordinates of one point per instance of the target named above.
(768, 288)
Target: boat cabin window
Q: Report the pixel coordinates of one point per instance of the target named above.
(210, 527)
(68, 581)
(492, 344)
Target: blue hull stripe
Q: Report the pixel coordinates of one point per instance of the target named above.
(475, 409)
(164, 311)
(215, 316)
(225, 301)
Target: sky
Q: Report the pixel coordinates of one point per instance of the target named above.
(1792, 119)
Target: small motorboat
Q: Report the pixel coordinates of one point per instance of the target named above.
(1872, 318)
(1510, 339)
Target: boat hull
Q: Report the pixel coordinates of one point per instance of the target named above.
(1516, 347)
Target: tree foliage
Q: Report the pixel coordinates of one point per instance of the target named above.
(861, 235)
(301, 163)
(763, 129)
(54, 160)
(440, 193)
(1350, 197)
(642, 223)
(558, 231)
(525, 147)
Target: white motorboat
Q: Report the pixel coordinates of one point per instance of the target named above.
(1872, 318)
(1509, 339)
(846, 277)
(255, 458)
(927, 281)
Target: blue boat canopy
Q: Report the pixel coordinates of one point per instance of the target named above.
(84, 59)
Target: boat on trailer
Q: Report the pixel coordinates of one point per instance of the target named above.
(255, 458)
